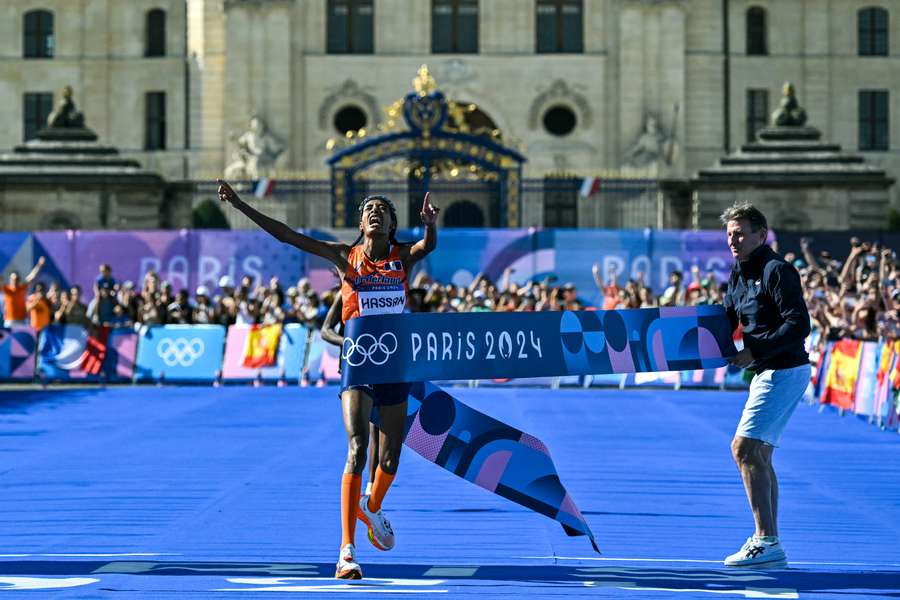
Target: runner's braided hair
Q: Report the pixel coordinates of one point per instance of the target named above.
(393, 210)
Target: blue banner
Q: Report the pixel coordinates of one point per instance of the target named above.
(180, 353)
(442, 346)
(489, 453)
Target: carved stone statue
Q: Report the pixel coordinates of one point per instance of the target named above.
(789, 113)
(652, 147)
(256, 153)
(66, 115)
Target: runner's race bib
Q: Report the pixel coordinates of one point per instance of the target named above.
(381, 301)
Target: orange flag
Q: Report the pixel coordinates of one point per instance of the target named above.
(261, 348)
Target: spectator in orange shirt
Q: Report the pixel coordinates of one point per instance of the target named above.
(610, 291)
(39, 307)
(14, 293)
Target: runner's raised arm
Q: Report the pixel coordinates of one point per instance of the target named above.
(334, 252)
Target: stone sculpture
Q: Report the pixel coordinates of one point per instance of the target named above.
(66, 115)
(789, 113)
(257, 151)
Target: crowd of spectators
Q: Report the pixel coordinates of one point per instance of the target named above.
(121, 304)
(858, 297)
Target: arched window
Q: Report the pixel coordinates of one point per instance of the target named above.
(872, 25)
(38, 29)
(756, 31)
(156, 33)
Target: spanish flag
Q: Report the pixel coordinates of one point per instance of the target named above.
(261, 347)
(843, 370)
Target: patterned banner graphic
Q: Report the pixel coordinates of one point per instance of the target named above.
(446, 346)
(490, 454)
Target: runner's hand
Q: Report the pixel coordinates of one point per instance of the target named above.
(226, 193)
(429, 211)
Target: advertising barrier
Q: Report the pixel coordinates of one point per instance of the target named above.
(18, 349)
(289, 361)
(73, 353)
(188, 258)
(431, 346)
(186, 353)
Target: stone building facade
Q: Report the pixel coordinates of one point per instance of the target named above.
(658, 86)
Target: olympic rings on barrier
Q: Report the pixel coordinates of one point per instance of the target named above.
(357, 352)
(180, 351)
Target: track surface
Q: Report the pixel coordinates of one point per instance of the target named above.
(170, 492)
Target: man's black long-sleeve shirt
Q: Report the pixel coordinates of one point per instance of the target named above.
(766, 297)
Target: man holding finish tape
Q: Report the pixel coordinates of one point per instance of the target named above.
(766, 297)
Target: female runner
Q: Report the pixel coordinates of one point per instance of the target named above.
(375, 269)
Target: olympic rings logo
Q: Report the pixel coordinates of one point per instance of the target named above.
(180, 351)
(367, 348)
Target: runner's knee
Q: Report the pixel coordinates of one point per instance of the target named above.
(356, 454)
(389, 461)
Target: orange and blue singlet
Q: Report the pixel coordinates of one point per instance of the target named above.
(375, 287)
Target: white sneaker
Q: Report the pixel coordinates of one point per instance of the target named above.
(756, 553)
(380, 533)
(347, 567)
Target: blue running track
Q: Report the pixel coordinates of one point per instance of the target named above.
(191, 492)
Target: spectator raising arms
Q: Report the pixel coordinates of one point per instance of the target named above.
(14, 296)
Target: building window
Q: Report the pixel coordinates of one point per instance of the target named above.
(757, 112)
(350, 25)
(156, 33)
(756, 31)
(561, 202)
(873, 32)
(454, 26)
(155, 121)
(350, 118)
(560, 27)
(37, 108)
(38, 34)
(873, 120)
(559, 121)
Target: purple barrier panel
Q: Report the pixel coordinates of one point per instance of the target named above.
(118, 365)
(15, 252)
(462, 254)
(18, 352)
(57, 247)
(131, 254)
(626, 251)
(239, 253)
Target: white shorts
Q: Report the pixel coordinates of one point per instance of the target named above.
(774, 394)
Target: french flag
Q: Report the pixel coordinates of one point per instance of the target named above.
(589, 186)
(264, 187)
